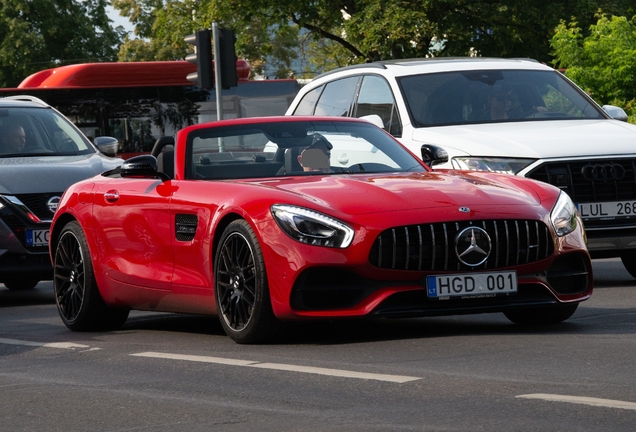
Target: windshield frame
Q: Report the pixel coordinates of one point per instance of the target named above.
(278, 140)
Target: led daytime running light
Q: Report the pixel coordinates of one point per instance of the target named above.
(311, 227)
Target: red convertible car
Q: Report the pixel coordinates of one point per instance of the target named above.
(264, 220)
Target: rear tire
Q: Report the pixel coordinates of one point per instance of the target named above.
(240, 286)
(78, 300)
(542, 315)
(20, 285)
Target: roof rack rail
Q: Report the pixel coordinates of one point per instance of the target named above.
(27, 98)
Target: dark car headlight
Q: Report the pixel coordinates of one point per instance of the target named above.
(311, 227)
(563, 215)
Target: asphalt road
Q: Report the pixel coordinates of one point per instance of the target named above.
(165, 372)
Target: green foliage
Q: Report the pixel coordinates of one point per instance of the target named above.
(39, 34)
(331, 33)
(603, 63)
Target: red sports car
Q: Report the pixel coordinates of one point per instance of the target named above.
(262, 220)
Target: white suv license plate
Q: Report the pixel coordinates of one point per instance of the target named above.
(607, 209)
(443, 287)
(37, 237)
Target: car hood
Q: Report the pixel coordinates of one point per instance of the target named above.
(42, 174)
(534, 139)
(363, 194)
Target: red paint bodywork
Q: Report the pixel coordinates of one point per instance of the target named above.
(139, 264)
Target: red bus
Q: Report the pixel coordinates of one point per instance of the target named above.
(138, 102)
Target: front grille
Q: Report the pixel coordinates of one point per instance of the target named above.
(432, 246)
(617, 183)
(37, 203)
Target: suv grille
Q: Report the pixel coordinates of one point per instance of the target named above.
(589, 182)
(432, 246)
(616, 184)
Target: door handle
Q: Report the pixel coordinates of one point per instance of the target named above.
(111, 196)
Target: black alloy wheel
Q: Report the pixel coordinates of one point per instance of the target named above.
(79, 303)
(241, 290)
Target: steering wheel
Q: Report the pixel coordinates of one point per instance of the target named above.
(160, 144)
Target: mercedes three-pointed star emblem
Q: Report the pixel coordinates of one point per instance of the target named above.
(472, 246)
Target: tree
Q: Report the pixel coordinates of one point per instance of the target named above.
(342, 32)
(39, 34)
(603, 63)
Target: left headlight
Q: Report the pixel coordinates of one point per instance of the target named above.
(310, 227)
(563, 215)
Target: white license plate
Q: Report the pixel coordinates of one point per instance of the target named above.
(471, 284)
(37, 237)
(607, 209)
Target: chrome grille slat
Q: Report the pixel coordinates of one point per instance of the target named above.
(394, 249)
(446, 249)
(536, 228)
(421, 245)
(507, 245)
(433, 243)
(518, 241)
(527, 242)
(429, 247)
(408, 255)
(497, 243)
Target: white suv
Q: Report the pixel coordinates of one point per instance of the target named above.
(508, 115)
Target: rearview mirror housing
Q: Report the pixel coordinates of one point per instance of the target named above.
(433, 155)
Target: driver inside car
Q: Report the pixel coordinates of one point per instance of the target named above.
(317, 156)
(12, 139)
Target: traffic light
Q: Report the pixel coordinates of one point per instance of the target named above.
(202, 57)
(227, 60)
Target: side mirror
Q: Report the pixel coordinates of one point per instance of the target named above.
(615, 112)
(375, 119)
(433, 155)
(107, 145)
(144, 166)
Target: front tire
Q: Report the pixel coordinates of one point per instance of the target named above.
(20, 285)
(78, 300)
(629, 261)
(542, 315)
(240, 286)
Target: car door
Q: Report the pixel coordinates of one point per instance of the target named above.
(132, 223)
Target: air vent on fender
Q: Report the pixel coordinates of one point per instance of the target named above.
(185, 226)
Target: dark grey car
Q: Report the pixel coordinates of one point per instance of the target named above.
(41, 154)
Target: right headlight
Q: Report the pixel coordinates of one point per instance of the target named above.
(310, 227)
(500, 165)
(563, 215)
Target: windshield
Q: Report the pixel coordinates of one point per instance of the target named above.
(272, 149)
(37, 132)
(488, 96)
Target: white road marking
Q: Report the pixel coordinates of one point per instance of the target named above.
(608, 403)
(282, 367)
(217, 360)
(61, 345)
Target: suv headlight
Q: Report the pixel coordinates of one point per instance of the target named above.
(500, 165)
(563, 215)
(310, 227)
